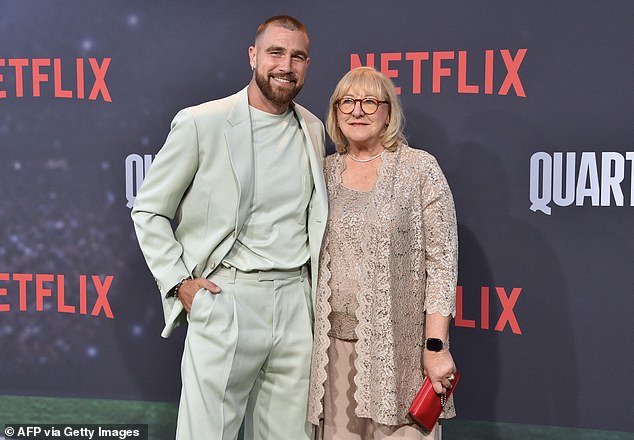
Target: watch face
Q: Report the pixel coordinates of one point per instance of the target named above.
(434, 344)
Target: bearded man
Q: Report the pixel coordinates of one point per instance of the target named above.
(230, 220)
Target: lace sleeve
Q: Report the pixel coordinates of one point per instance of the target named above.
(441, 238)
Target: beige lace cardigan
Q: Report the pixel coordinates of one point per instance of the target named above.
(409, 267)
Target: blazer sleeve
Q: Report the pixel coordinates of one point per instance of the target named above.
(158, 202)
(441, 248)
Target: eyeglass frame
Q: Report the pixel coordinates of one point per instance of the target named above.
(360, 101)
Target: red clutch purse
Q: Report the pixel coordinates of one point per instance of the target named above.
(428, 405)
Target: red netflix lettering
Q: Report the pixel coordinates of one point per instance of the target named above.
(99, 86)
(57, 78)
(80, 78)
(488, 72)
(507, 316)
(61, 306)
(39, 77)
(3, 93)
(449, 64)
(22, 279)
(459, 321)
(38, 290)
(43, 71)
(512, 76)
(463, 87)
(440, 71)
(508, 303)
(41, 291)
(82, 294)
(385, 66)
(417, 59)
(102, 291)
(18, 64)
(3, 292)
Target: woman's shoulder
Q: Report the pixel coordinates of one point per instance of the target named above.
(332, 162)
(332, 159)
(415, 153)
(420, 163)
(417, 157)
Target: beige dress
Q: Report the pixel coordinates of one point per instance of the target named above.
(348, 226)
(405, 265)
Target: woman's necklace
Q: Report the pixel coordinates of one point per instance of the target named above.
(356, 159)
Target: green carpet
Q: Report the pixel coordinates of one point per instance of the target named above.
(161, 420)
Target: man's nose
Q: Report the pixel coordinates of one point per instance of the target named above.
(285, 63)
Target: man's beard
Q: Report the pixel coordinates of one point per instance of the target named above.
(279, 95)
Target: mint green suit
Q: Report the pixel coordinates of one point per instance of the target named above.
(194, 201)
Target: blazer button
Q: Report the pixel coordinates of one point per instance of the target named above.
(213, 266)
(234, 233)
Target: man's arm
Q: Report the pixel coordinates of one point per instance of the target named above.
(159, 200)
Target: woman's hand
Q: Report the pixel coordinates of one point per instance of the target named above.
(439, 367)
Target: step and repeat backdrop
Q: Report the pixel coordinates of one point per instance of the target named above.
(527, 105)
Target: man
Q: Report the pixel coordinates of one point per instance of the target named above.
(241, 180)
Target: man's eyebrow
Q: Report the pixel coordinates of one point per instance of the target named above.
(275, 49)
(284, 50)
(299, 52)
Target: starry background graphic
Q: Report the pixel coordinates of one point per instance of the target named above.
(63, 180)
(63, 195)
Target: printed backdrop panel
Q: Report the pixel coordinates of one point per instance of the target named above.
(526, 105)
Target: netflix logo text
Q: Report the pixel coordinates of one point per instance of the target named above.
(507, 319)
(44, 292)
(54, 77)
(437, 71)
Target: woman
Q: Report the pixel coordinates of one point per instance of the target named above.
(387, 272)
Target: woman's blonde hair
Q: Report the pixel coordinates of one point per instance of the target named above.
(370, 82)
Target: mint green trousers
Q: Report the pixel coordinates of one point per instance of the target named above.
(247, 358)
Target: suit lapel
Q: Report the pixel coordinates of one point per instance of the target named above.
(315, 159)
(240, 146)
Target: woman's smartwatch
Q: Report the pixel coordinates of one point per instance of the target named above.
(435, 344)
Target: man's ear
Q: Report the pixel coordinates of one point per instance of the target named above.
(252, 57)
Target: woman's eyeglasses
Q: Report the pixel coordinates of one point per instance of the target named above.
(369, 106)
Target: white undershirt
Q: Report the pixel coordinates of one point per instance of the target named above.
(274, 235)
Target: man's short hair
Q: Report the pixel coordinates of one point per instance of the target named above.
(285, 21)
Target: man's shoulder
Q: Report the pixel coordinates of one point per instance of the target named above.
(220, 106)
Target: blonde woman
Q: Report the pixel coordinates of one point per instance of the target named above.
(387, 274)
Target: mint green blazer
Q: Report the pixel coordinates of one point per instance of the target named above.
(198, 191)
